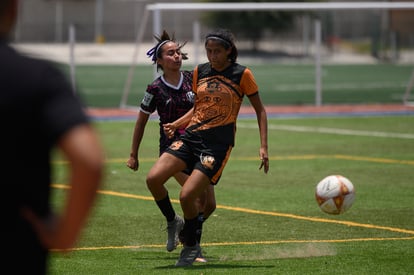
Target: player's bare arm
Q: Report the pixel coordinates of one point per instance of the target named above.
(133, 162)
(170, 128)
(262, 122)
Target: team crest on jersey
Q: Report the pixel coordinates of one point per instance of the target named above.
(176, 145)
(207, 161)
(147, 99)
(190, 96)
(213, 86)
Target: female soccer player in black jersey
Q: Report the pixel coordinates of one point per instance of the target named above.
(205, 147)
(172, 97)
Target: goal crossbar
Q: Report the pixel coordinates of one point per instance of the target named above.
(233, 6)
(156, 8)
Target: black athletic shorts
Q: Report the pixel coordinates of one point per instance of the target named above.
(208, 158)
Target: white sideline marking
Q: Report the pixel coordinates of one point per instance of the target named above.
(334, 131)
(341, 86)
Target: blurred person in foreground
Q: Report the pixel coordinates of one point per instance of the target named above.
(219, 86)
(38, 114)
(172, 97)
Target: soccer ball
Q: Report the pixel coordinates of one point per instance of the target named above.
(335, 194)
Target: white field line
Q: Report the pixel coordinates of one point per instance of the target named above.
(336, 86)
(334, 131)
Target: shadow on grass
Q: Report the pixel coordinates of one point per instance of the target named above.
(215, 266)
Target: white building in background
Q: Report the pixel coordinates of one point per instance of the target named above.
(113, 21)
(44, 21)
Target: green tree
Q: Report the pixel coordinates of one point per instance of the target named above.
(251, 24)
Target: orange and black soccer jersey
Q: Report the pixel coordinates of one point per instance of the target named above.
(219, 96)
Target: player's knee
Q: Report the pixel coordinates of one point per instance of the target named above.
(184, 198)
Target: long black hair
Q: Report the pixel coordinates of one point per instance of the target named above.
(226, 39)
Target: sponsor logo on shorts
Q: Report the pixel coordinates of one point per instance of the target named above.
(176, 145)
(207, 161)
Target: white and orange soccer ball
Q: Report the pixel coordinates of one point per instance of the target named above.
(335, 194)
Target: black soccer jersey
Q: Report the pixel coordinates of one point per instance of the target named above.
(170, 102)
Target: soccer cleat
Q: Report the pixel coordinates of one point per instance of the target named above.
(200, 258)
(188, 255)
(173, 228)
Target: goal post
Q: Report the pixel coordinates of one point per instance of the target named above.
(407, 93)
(157, 8)
(127, 87)
(72, 61)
